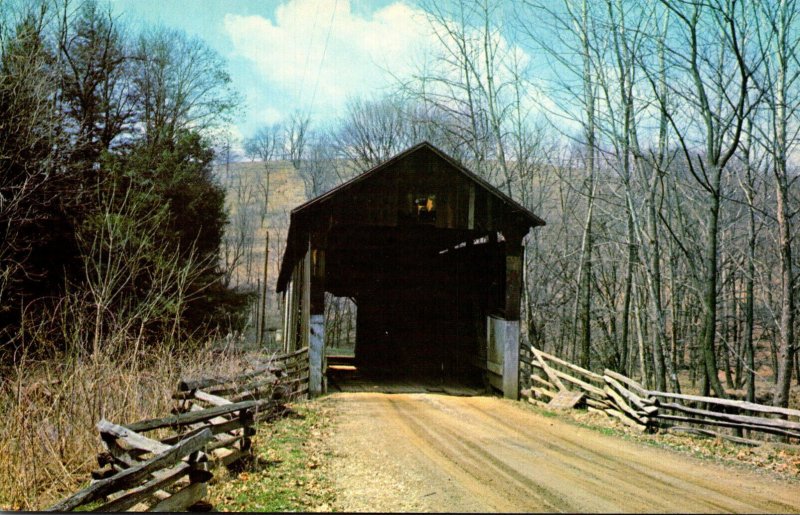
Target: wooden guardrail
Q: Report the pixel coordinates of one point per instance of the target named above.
(211, 425)
(616, 395)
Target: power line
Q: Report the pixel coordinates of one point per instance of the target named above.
(324, 52)
(308, 54)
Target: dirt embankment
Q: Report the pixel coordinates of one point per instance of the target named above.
(424, 452)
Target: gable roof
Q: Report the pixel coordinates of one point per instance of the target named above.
(425, 145)
(295, 248)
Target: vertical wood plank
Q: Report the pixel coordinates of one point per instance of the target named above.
(511, 359)
(306, 302)
(513, 282)
(514, 255)
(471, 212)
(286, 303)
(316, 347)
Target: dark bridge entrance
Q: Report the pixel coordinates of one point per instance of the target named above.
(430, 254)
(421, 302)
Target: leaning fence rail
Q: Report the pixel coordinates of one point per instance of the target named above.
(616, 395)
(163, 464)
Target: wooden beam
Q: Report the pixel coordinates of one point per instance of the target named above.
(306, 300)
(513, 280)
(625, 407)
(547, 370)
(574, 380)
(724, 423)
(130, 437)
(317, 274)
(130, 477)
(515, 252)
(471, 209)
(541, 392)
(575, 368)
(197, 384)
(630, 396)
(743, 405)
(543, 381)
(216, 428)
(140, 493)
(212, 399)
(639, 389)
(181, 500)
(185, 419)
(741, 419)
(316, 349)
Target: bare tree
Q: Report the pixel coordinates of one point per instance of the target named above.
(706, 47)
(95, 81)
(265, 145)
(179, 83)
(780, 85)
(371, 132)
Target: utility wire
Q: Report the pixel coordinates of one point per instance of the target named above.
(308, 55)
(324, 52)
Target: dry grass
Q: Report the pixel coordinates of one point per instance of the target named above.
(48, 411)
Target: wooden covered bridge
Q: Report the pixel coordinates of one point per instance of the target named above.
(431, 255)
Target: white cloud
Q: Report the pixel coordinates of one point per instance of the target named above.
(320, 51)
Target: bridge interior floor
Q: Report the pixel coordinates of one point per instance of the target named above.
(347, 378)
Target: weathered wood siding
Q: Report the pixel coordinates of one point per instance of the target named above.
(416, 242)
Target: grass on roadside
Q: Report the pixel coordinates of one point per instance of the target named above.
(288, 472)
(49, 408)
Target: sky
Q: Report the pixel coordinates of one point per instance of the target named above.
(296, 55)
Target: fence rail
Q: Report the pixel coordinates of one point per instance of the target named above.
(622, 397)
(211, 425)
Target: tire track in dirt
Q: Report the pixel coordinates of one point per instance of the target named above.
(557, 480)
(494, 475)
(652, 475)
(594, 471)
(427, 452)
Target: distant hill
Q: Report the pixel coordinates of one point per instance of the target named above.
(244, 240)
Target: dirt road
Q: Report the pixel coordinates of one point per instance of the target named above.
(425, 452)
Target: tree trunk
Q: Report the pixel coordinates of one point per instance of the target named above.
(626, 302)
(710, 295)
(786, 346)
(659, 368)
(588, 89)
(750, 286)
(264, 292)
(785, 353)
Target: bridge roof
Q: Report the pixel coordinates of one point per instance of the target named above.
(379, 196)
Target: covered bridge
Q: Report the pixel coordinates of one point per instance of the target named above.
(431, 255)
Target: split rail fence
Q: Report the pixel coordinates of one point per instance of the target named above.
(163, 464)
(556, 383)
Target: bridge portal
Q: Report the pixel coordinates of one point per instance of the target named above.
(432, 256)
